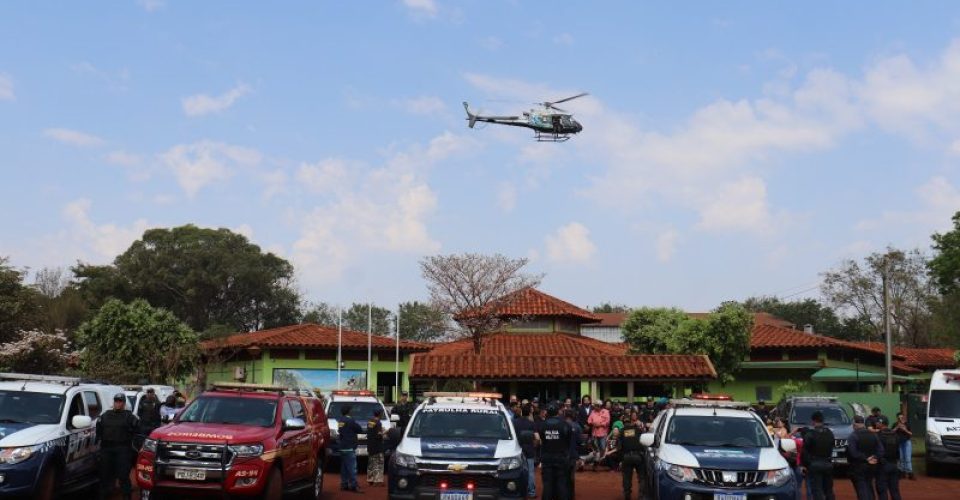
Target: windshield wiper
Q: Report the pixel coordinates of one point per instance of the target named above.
(10, 421)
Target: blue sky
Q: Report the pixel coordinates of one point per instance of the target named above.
(729, 149)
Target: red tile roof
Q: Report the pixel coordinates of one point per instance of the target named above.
(611, 319)
(554, 356)
(533, 302)
(774, 337)
(935, 357)
(309, 335)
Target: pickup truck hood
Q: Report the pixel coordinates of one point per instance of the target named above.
(708, 457)
(196, 432)
(25, 434)
(463, 449)
(939, 425)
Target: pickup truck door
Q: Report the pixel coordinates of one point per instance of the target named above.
(82, 449)
(292, 444)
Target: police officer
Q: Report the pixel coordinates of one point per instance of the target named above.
(404, 409)
(116, 429)
(578, 439)
(888, 474)
(864, 451)
(817, 458)
(348, 429)
(375, 449)
(149, 414)
(555, 437)
(632, 454)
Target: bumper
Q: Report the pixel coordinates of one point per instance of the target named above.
(407, 484)
(667, 488)
(942, 454)
(244, 477)
(19, 479)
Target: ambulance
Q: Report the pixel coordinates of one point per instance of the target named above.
(943, 420)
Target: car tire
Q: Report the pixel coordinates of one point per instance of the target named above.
(47, 487)
(315, 491)
(274, 488)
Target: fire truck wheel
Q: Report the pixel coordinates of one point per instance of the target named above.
(274, 488)
(315, 491)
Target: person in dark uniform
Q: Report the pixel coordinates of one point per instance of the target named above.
(888, 472)
(817, 458)
(528, 438)
(648, 413)
(632, 455)
(583, 411)
(149, 414)
(375, 449)
(871, 421)
(348, 429)
(404, 409)
(555, 436)
(864, 451)
(575, 443)
(116, 429)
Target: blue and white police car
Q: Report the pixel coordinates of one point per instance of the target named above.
(458, 446)
(715, 450)
(47, 434)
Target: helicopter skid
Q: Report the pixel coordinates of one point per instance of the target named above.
(551, 137)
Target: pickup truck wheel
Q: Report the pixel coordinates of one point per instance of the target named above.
(316, 490)
(47, 487)
(274, 488)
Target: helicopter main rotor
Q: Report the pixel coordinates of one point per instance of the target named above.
(550, 104)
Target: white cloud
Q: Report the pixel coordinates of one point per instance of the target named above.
(324, 177)
(570, 244)
(373, 210)
(204, 162)
(938, 200)
(275, 183)
(202, 104)
(738, 206)
(73, 137)
(245, 230)
(114, 80)
(427, 8)
(424, 105)
(507, 197)
(101, 242)
(152, 5)
(6, 88)
(123, 158)
(563, 39)
(667, 245)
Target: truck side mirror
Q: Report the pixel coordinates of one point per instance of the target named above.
(788, 445)
(646, 439)
(294, 424)
(81, 421)
(394, 417)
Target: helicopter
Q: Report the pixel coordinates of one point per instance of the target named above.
(549, 123)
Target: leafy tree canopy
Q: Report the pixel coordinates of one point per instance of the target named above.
(135, 340)
(945, 266)
(422, 322)
(811, 312)
(19, 304)
(204, 276)
(609, 307)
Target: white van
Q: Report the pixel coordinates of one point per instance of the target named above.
(943, 420)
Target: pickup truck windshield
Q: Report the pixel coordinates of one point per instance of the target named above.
(231, 410)
(360, 411)
(460, 423)
(945, 404)
(17, 407)
(832, 415)
(726, 432)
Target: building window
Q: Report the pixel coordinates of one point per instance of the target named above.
(764, 393)
(284, 353)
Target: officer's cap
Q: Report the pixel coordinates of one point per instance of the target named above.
(119, 397)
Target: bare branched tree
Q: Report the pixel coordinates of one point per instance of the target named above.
(473, 288)
(52, 281)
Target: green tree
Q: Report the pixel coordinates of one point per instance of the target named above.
(204, 276)
(19, 304)
(130, 341)
(61, 304)
(422, 322)
(724, 335)
(610, 307)
(944, 267)
(321, 313)
(356, 317)
(811, 312)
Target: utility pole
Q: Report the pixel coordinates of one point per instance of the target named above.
(886, 321)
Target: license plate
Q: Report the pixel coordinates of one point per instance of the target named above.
(729, 496)
(840, 460)
(462, 495)
(190, 474)
(361, 451)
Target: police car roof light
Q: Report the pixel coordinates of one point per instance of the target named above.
(485, 395)
(51, 379)
(351, 393)
(241, 387)
(709, 403)
(952, 376)
(815, 398)
(711, 397)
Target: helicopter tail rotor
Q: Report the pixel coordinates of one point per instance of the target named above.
(472, 118)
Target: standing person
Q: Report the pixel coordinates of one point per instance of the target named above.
(348, 429)
(871, 421)
(906, 445)
(583, 411)
(817, 458)
(632, 455)
(116, 429)
(404, 409)
(529, 440)
(762, 411)
(555, 436)
(375, 449)
(648, 413)
(864, 451)
(149, 414)
(168, 409)
(599, 422)
(888, 474)
(571, 417)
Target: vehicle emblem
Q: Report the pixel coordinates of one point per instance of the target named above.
(457, 467)
(729, 477)
(193, 454)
